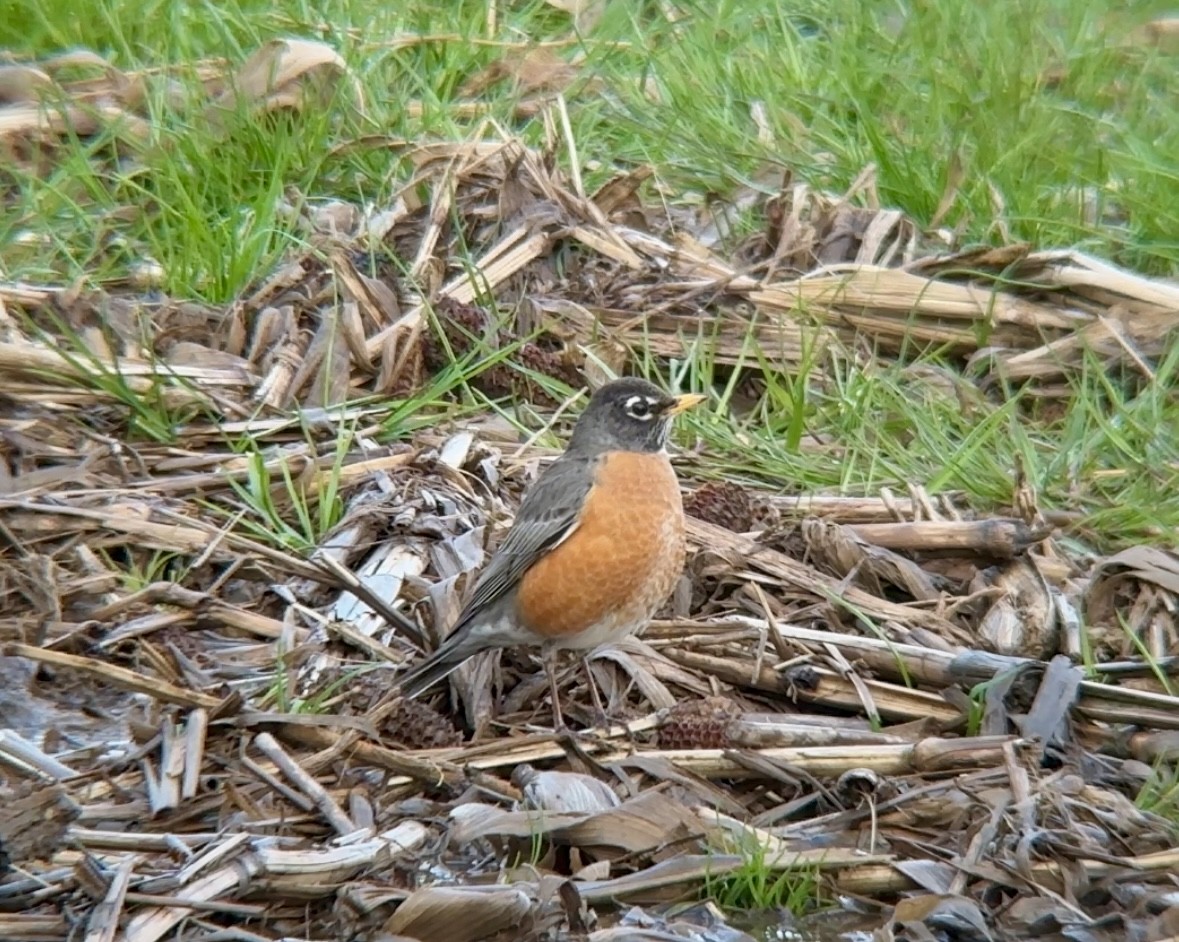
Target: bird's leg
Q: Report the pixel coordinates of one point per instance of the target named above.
(549, 655)
(601, 717)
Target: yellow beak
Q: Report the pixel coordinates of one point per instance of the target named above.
(684, 403)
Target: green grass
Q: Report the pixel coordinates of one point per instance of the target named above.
(274, 506)
(289, 504)
(914, 88)
(138, 574)
(1160, 794)
(1112, 454)
(152, 406)
(761, 885)
(280, 696)
(1050, 124)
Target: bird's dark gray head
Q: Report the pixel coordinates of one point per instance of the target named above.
(628, 415)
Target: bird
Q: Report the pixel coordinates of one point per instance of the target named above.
(595, 549)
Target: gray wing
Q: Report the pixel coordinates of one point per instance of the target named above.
(548, 514)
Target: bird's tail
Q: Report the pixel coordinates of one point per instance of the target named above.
(456, 649)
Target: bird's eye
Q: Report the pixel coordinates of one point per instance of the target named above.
(639, 407)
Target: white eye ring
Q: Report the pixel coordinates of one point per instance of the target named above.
(641, 408)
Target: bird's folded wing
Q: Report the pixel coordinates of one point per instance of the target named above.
(548, 515)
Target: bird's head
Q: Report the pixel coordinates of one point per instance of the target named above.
(629, 415)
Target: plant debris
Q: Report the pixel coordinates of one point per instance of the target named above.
(880, 694)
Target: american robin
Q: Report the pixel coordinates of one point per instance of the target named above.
(596, 547)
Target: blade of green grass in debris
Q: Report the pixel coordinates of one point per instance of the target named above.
(762, 885)
(1160, 794)
(1144, 652)
(149, 414)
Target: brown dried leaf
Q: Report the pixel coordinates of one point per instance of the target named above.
(76, 59)
(186, 353)
(1037, 916)
(459, 914)
(22, 83)
(955, 174)
(22, 119)
(284, 73)
(1022, 621)
(1144, 563)
(619, 191)
(1136, 590)
(585, 13)
(638, 825)
(840, 550)
(537, 71)
(1162, 33)
(937, 915)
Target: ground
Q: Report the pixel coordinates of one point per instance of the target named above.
(295, 304)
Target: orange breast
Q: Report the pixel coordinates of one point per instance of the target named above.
(609, 577)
